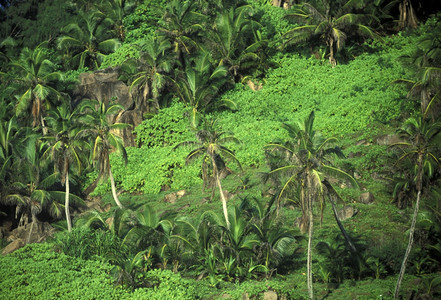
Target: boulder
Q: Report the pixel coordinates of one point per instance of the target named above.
(11, 247)
(181, 193)
(171, 198)
(270, 295)
(104, 85)
(387, 139)
(19, 236)
(367, 198)
(347, 212)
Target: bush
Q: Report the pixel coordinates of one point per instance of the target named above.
(36, 271)
(86, 243)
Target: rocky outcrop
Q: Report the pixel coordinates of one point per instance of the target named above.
(20, 235)
(104, 85)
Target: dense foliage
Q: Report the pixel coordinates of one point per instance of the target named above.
(274, 112)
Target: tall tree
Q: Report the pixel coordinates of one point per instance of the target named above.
(181, 25)
(214, 156)
(421, 146)
(64, 148)
(105, 139)
(34, 75)
(330, 23)
(234, 41)
(116, 11)
(151, 70)
(199, 85)
(87, 41)
(302, 165)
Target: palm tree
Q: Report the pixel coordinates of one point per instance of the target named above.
(306, 168)
(421, 146)
(181, 24)
(34, 74)
(199, 85)
(150, 69)
(64, 148)
(116, 10)
(214, 155)
(33, 188)
(104, 138)
(425, 62)
(330, 23)
(275, 240)
(88, 41)
(234, 41)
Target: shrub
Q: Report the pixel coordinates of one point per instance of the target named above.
(87, 243)
(36, 271)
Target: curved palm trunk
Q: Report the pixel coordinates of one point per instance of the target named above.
(340, 225)
(412, 227)
(221, 192)
(409, 246)
(309, 259)
(66, 203)
(310, 233)
(224, 201)
(112, 183)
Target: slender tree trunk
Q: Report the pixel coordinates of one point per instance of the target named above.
(409, 246)
(221, 192)
(407, 15)
(309, 259)
(309, 205)
(66, 203)
(224, 201)
(332, 60)
(412, 226)
(112, 183)
(340, 225)
(32, 228)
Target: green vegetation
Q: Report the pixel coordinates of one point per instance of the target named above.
(249, 119)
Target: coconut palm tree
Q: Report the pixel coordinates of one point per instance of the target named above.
(116, 11)
(210, 145)
(426, 64)
(234, 41)
(33, 190)
(34, 76)
(65, 148)
(102, 132)
(181, 25)
(330, 23)
(87, 41)
(151, 69)
(421, 146)
(200, 84)
(306, 168)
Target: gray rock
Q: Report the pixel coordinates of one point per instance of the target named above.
(270, 295)
(181, 193)
(347, 212)
(367, 198)
(11, 247)
(104, 85)
(171, 198)
(387, 139)
(18, 237)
